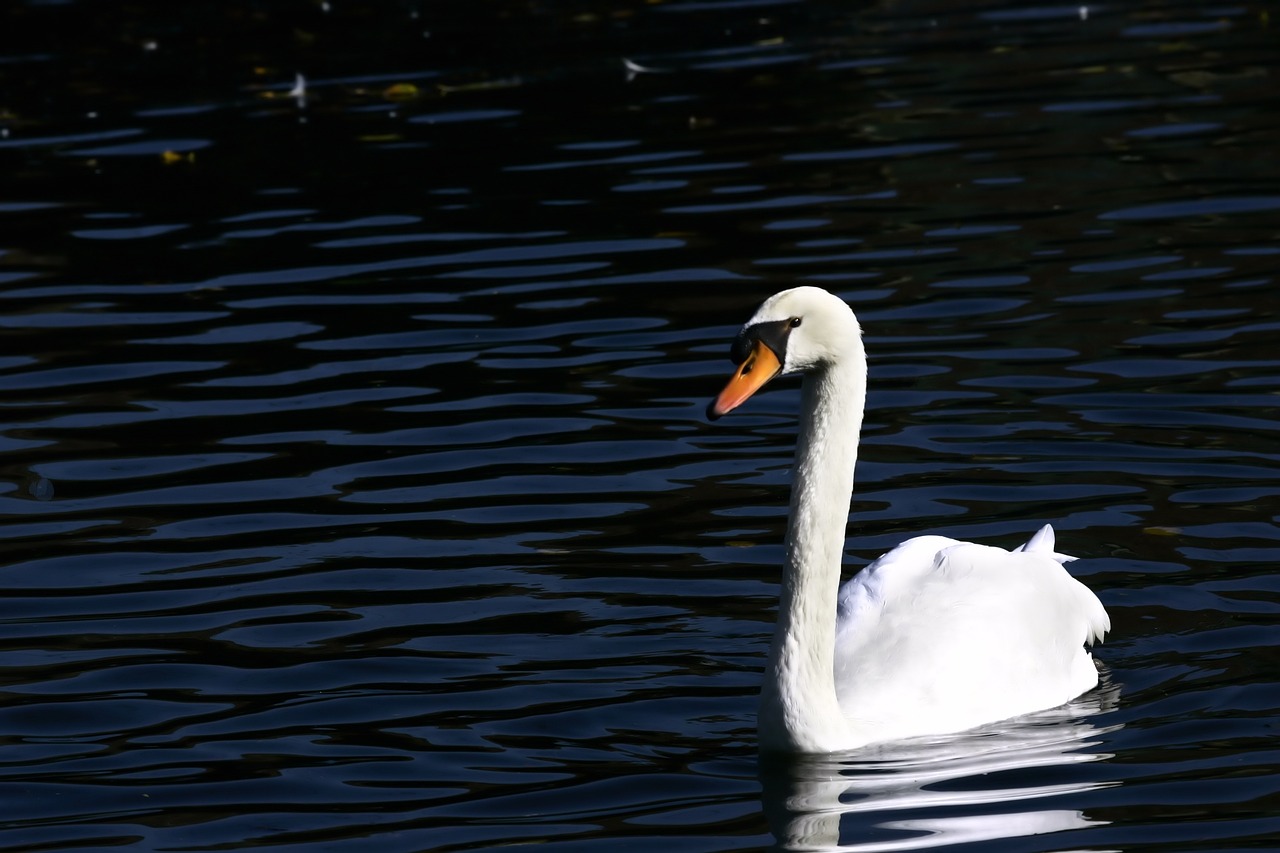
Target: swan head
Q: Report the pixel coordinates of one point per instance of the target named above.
(795, 331)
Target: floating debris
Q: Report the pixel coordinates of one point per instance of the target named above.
(401, 92)
(299, 90)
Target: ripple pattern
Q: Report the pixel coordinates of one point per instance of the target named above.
(356, 489)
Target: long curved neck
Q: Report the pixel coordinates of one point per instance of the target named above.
(799, 709)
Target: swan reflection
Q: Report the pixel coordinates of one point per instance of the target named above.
(933, 792)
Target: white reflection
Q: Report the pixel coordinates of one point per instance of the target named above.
(933, 792)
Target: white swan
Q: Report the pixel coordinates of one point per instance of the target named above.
(935, 636)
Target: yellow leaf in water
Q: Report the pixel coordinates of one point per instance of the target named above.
(401, 92)
(171, 157)
(482, 86)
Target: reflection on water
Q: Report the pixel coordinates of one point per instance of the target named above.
(939, 791)
(354, 485)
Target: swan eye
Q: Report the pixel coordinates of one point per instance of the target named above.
(795, 322)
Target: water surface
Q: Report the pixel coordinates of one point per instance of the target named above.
(356, 487)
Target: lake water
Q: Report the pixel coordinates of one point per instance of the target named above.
(357, 493)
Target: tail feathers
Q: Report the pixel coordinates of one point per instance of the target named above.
(1096, 621)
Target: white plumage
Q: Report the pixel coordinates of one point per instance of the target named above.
(935, 636)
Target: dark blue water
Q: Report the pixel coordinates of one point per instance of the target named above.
(356, 490)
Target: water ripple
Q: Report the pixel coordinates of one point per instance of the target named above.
(357, 488)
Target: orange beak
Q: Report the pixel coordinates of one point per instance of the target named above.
(760, 366)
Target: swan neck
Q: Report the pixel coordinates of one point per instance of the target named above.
(826, 453)
(800, 707)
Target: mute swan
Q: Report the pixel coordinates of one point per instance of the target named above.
(935, 636)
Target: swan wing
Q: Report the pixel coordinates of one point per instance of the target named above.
(1043, 543)
(940, 635)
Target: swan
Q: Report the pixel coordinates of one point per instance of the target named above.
(937, 636)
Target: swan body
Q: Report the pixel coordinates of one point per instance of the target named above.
(937, 635)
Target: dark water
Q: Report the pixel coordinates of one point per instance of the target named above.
(357, 494)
